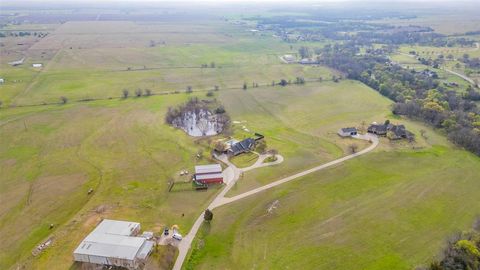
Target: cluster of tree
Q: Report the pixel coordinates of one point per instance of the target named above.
(470, 62)
(206, 113)
(138, 92)
(212, 65)
(462, 251)
(417, 94)
(23, 34)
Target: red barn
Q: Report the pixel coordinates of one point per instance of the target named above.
(209, 174)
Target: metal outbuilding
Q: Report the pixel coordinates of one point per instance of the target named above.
(114, 242)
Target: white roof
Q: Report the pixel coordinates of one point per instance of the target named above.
(117, 227)
(212, 168)
(111, 238)
(208, 176)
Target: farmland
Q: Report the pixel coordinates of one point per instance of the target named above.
(81, 140)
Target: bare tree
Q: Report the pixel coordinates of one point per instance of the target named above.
(138, 92)
(244, 86)
(273, 153)
(148, 92)
(208, 215)
(202, 125)
(189, 90)
(63, 99)
(125, 93)
(216, 87)
(353, 147)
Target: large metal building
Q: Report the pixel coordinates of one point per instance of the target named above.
(114, 242)
(209, 174)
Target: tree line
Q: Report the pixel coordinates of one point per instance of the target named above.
(417, 94)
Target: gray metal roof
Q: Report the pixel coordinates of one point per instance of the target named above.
(208, 176)
(211, 168)
(111, 238)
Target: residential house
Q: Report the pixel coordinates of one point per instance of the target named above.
(347, 132)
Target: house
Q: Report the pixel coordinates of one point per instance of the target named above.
(399, 132)
(208, 174)
(347, 132)
(378, 129)
(37, 65)
(238, 148)
(113, 243)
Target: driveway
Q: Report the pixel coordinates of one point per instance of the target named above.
(235, 172)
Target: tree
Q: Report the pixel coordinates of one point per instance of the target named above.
(305, 52)
(219, 146)
(209, 94)
(63, 99)
(273, 153)
(273, 83)
(125, 93)
(1, 103)
(261, 146)
(148, 92)
(283, 82)
(244, 86)
(208, 215)
(212, 64)
(353, 147)
(138, 92)
(189, 90)
(387, 122)
(216, 87)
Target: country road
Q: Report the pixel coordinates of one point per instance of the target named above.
(232, 174)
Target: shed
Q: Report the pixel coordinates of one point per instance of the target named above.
(207, 169)
(347, 132)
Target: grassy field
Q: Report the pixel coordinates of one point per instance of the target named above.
(397, 199)
(119, 148)
(386, 210)
(245, 160)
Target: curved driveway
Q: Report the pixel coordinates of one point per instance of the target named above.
(232, 174)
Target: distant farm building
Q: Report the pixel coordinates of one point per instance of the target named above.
(37, 65)
(113, 243)
(393, 132)
(347, 132)
(208, 174)
(2, 80)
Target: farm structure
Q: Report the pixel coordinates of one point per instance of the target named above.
(208, 174)
(347, 132)
(393, 132)
(113, 243)
(244, 146)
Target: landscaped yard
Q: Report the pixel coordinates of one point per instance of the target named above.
(244, 160)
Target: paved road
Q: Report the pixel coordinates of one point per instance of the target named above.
(232, 174)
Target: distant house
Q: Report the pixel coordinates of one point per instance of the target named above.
(244, 146)
(393, 132)
(347, 132)
(399, 132)
(378, 129)
(37, 65)
(113, 243)
(208, 174)
(2, 80)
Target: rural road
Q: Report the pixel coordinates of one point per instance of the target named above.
(232, 174)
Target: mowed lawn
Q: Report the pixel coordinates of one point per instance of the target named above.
(384, 210)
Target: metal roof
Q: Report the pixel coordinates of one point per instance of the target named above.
(212, 168)
(208, 176)
(111, 238)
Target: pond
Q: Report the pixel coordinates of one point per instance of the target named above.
(199, 123)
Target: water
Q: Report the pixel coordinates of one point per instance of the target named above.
(198, 123)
